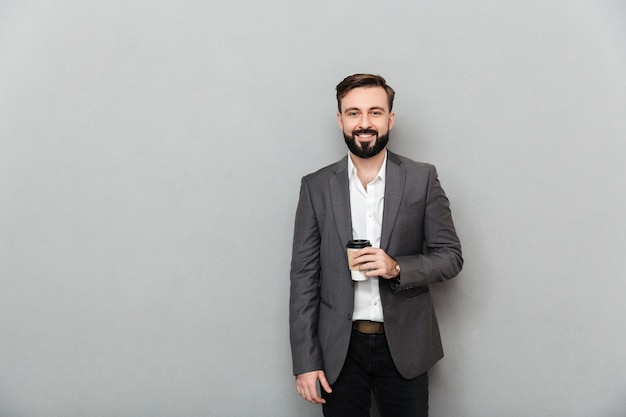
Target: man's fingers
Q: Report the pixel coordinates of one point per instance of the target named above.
(306, 385)
(311, 395)
(324, 384)
(374, 262)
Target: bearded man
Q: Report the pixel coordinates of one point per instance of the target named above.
(351, 338)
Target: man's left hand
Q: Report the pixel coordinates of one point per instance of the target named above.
(375, 262)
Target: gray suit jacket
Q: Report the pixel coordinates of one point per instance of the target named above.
(417, 231)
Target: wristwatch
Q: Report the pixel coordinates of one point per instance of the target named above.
(397, 267)
(394, 283)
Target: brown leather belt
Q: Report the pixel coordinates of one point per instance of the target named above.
(368, 327)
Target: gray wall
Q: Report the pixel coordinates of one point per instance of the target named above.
(150, 160)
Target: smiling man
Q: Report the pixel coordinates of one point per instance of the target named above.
(366, 130)
(351, 338)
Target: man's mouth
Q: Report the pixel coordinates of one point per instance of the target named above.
(365, 134)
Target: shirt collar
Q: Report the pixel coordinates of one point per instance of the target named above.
(382, 174)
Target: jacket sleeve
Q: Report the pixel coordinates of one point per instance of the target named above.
(304, 290)
(442, 257)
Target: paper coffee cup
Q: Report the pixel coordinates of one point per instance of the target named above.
(353, 246)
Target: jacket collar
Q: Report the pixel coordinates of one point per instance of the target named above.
(340, 198)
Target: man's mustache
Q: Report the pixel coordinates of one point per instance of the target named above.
(364, 132)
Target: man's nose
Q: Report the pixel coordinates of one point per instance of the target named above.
(364, 122)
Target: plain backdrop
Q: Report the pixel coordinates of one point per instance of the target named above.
(150, 160)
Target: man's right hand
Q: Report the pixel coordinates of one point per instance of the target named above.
(306, 384)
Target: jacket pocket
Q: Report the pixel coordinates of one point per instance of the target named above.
(414, 292)
(326, 303)
(412, 207)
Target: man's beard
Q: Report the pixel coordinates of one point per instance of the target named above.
(366, 150)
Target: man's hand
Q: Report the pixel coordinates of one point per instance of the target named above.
(375, 263)
(306, 384)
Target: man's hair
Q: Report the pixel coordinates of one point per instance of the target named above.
(363, 80)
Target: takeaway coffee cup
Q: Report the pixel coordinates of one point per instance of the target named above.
(353, 246)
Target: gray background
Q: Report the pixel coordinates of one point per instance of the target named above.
(150, 159)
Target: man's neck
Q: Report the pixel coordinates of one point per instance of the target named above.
(368, 168)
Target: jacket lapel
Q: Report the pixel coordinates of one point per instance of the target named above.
(394, 186)
(340, 201)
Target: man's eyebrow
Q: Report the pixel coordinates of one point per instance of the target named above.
(371, 108)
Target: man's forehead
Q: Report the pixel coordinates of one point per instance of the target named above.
(369, 97)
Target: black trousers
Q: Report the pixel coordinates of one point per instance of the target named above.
(370, 368)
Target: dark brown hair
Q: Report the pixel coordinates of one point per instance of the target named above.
(363, 80)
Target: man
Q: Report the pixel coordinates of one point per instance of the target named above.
(379, 335)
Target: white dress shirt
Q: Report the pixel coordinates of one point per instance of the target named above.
(367, 219)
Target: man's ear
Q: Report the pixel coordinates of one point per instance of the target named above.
(339, 121)
(392, 119)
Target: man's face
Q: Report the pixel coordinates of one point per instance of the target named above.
(365, 120)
